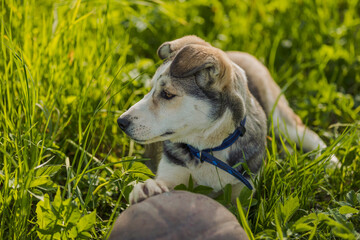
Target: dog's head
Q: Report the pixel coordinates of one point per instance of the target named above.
(195, 90)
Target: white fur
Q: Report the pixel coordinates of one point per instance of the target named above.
(148, 126)
(203, 173)
(187, 117)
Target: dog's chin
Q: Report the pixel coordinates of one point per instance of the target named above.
(160, 138)
(140, 141)
(145, 141)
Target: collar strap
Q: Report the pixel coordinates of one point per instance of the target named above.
(204, 155)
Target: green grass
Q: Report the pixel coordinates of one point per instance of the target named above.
(68, 69)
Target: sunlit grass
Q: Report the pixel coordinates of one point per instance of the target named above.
(68, 69)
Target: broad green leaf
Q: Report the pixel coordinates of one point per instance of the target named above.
(190, 184)
(57, 200)
(343, 234)
(72, 233)
(138, 170)
(202, 189)
(342, 229)
(85, 235)
(47, 170)
(86, 222)
(72, 214)
(347, 209)
(44, 213)
(227, 193)
(246, 196)
(115, 176)
(69, 99)
(302, 227)
(351, 198)
(67, 202)
(289, 208)
(40, 181)
(180, 187)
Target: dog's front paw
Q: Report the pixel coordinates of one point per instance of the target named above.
(147, 189)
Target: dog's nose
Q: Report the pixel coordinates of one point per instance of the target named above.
(123, 123)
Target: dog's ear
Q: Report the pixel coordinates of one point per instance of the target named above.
(167, 48)
(208, 64)
(192, 59)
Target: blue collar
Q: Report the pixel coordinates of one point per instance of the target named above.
(204, 155)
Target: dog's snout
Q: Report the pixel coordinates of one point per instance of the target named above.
(123, 123)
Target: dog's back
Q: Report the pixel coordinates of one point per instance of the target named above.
(267, 92)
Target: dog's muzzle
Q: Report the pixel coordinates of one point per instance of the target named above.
(123, 123)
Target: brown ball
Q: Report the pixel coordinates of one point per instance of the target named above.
(177, 215)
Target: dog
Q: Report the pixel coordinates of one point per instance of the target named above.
(200, 96)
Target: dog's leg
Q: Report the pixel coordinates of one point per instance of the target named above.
(287, 122)
(172, 174)
(168, 176)
(147, 189)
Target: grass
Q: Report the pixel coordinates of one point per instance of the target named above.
(68, 69)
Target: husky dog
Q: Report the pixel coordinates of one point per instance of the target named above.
(200, 95)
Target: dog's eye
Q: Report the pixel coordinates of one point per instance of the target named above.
(167, 95)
